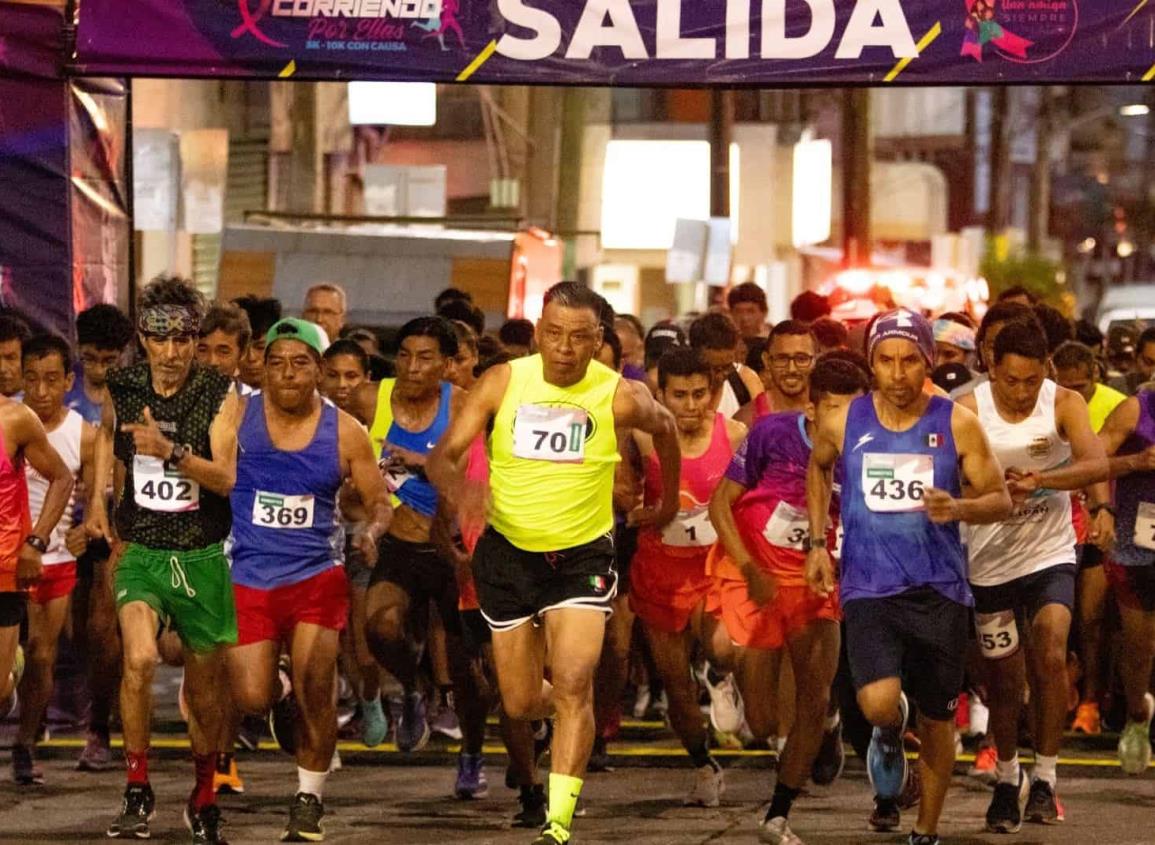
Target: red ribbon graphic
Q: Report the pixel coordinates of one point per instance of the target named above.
(249, 20)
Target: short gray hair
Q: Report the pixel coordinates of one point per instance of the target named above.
(327, 287)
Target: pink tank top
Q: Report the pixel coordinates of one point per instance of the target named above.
(15, 520)
(690, 534)
(762, 406)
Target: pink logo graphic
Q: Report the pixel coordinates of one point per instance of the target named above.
(982, 28)
(447, 21)
(250, 19)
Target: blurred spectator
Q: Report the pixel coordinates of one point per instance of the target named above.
(748, 309)
(1058, 328)
(1088, 334)
(716, 337)
(830, 334)
(224, 336)
(263, 313)
(1019, 294)
(516, 336)
(1076, 369)
(954, 340)
(366, 338)
(1122, 343)
(951, 376)
(610, 352)
(755, 346)
(325, 306)
(660, 338)
(809, 307)
(450, 294)
(13, 332)
(466, 312)
(632, 335)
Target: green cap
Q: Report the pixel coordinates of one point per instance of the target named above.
(293, 328)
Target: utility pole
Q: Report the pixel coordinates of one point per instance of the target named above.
(999, 170)
(573, 121)
(857, 157)
(721, 132)
(1040, 205)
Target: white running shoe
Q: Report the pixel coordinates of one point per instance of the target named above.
(642, 701)
(979, 718)
(709, 784)
(776, 831)
(1135, 742)
(727, 714)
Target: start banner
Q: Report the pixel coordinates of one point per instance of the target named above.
(767, 43)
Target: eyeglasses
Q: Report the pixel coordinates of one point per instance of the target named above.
(802, 360)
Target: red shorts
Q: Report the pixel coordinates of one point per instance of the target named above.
(751, 626)
(57, 582)
(322, 600)
(664, 591)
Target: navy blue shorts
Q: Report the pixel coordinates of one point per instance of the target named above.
(919, 636)
(1028, 595)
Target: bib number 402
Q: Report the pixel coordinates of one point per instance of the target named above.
(168, 491)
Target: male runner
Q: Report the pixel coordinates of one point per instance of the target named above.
(171, 425)
(13, 333)
(716, 337)
(904, 593)
(669, 584)
(759, 510)
(47, 377)
(788, 359)
(1022, 570)
(954, 340)
(748, 308)
(295, 450)
(1129, 438)
(262, 314)
(325, 307)
(224, 339)
(547, 556)
(103, 333)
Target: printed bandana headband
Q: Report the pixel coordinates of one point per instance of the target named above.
(167, 320)
(954, 334)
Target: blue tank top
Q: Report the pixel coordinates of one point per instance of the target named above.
(78, 400)
(285, 522)
(1135, 495)
(889, 546)
(408, 484)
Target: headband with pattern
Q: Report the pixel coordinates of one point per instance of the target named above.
(166, 320)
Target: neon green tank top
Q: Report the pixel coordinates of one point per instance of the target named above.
(551, 458)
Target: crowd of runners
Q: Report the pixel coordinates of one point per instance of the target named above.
(901, 535)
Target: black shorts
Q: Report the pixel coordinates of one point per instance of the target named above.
(97, 553)
(1089, 556)
(1003, 612)
(625, 546)
(12, 609)
(515, 586)
(357, 570)
(475, 634)
(422, 573)
(1134, 586)
(919, 636)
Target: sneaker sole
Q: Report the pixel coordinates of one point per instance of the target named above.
(146, 834)
(1004, 827)
(464, 795)
(298, 836)
(421, 743)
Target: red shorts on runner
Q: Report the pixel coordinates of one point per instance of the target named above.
(58, 581)
(322, 600)
(664, 590)
(751, 626)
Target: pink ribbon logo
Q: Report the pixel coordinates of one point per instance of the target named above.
(983, 29)
(250, 19)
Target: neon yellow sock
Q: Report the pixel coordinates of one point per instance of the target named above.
(563, 798)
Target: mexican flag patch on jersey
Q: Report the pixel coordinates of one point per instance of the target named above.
(933, 440)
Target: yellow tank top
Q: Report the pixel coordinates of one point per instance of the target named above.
(551, 458)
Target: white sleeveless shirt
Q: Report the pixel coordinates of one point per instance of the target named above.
(65, 439)
(1039, 533)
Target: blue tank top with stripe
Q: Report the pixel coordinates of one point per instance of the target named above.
(286, 526)
(408, 484)
(885, 553)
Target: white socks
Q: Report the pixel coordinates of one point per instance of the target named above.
(311, 783)
(1008, 771)
(1045, 768)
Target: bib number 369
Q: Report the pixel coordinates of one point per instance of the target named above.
(160, 488)
(274, 510)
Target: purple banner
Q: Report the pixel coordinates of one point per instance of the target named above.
(619, 42)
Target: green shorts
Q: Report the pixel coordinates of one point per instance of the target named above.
(190, 590)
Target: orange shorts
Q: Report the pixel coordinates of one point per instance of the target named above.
(751, 626)
(58, 581)
(664, 591)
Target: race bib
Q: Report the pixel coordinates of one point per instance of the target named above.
(544, 433)
(394, 471)
(157, 487)
(896, 483)
(1145, 526)
(274, 510)
(837, 550)
(690, 529)
(787, 528)
(998, 634)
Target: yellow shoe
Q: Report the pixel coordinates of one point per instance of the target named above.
(1087, 719)
(228, 782)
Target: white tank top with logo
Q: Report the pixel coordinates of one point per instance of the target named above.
(1039, 533)
(65, 439)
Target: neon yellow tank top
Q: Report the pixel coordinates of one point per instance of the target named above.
(551, 458)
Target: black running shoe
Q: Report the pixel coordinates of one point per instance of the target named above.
(886, 816)
(252, 728)
(599, 758)
(831, 758)
(24, 769)
(204, 825)
(542, 738)
(305, 814)
(1043, 805)
(136, 812)
(1005, 814)
(283, 720)
(923, 839)
(532, 813)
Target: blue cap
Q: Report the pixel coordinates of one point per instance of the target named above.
(906, 325)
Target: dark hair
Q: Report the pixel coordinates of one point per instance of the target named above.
(43, 345)
(606, 313)
(682, 361)
(437, 328)
(660, 338)
(1148, 336)
(851, 357)
(838, 377)
(105, 327)
(230, 319)
(13, 328)
(345, 346)
(173, 290)
(755, 346)
(1073, 354)
(633, 321)
(1022, 339)
(1088, 334)
(1058, 329)
(791, 328)
(516, 331)
(574, 295)
(1018, 290)
(498, 357)
(809, 306)
(957, 317)
(950, 377)
(451, 295)
(747, 292)
(999, 313)
(466, 336)
(830, 334)
(465, 312)
(380, 368)
(713, 331)
(488, 346)
(611, 339)
(263, 312)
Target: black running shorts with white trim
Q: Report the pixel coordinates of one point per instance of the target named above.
(515, 586)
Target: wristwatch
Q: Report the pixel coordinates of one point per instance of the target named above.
(37, 543)
(179, 452)
(817, 543)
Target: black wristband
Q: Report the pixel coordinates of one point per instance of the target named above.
(37, 543)
(1103, 506)
(817, 543)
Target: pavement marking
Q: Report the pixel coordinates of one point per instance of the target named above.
(924, 42)
(481, 59)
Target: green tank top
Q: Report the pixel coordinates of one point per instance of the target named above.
(552, 456)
